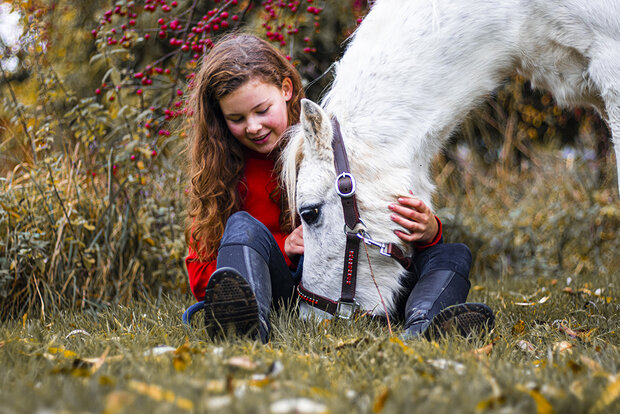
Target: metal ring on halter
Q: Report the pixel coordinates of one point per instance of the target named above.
(350, 193)
(346, 228)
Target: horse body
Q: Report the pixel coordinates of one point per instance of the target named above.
(412, 71)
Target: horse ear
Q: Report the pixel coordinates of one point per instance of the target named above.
(317, 129)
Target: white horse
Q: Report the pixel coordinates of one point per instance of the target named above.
(411, 73)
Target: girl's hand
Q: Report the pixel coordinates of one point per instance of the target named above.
(294, 243)
(415, 216)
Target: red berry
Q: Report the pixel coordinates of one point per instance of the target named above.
(98, 91)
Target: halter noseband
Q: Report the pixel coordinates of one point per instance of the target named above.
(347, 307)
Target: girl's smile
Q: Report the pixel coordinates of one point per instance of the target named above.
(256, 113)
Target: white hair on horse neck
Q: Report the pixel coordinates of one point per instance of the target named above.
(410, 74)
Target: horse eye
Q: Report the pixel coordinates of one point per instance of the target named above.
(310, 215)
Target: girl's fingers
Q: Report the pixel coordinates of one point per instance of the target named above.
(408, 212)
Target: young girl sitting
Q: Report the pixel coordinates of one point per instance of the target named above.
(244, 253)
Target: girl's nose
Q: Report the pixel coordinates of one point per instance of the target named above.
(253, 126)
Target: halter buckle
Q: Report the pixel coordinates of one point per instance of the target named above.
(351, 192)
(365, 237)
(346, 309)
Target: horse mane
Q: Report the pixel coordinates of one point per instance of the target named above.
(290, 160)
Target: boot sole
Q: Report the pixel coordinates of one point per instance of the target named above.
(465, 319)
(230, 305)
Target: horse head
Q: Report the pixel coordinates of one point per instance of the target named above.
(310, 176)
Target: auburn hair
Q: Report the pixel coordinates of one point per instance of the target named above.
(216, 158)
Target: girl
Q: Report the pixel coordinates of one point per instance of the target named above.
(243, 249)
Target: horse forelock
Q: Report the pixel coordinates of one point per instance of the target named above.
(291, 159)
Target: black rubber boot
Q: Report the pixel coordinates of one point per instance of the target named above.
(238, 295)
(465, 319)
(435, 307)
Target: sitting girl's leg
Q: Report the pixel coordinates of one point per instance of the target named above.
(436, 304)
(443, 280)
(251, 274)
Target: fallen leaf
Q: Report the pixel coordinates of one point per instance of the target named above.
(182, 357)
(576, 334)
(219, 402)
(542, 405)
(446, 363)
(94, 364)
(242, 362)
(159, 350)
(540, 301)
(607, 397)
(518, 328)
(117, 401)
(526, 346)
(350, 343)
(592, 364)
(490, 403)
(562, 346)
(158, 393)
(405, 348)
(577, 389)
(485, 350)
(297, 406)
(76, 332)
(380, 400)
(61, 351)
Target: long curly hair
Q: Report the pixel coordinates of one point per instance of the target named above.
(216, 158)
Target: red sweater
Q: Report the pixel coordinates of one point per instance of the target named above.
(257, 184)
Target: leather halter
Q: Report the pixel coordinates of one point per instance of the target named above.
(347, 307)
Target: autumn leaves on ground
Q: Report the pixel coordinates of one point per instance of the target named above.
(554, 349)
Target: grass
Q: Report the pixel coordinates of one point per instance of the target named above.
(545, 260)
(558, 353)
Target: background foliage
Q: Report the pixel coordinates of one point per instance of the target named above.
(92, 199)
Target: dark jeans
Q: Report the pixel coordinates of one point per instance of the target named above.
(436, 292)
(244, 230)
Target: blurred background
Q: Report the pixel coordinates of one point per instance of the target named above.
(92, 200)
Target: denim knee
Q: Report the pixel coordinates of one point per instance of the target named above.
(451, 256)
(243, 229)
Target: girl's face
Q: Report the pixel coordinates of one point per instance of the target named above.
(256, 113)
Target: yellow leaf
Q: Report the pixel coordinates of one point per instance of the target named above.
(64, 352)
(149, 241)
(405, 348)
(518, 328)
(380, 400)
(490, 403)
(140, 165)
(542, 405)
(158, 393)
(608, 396)
(117, 401)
